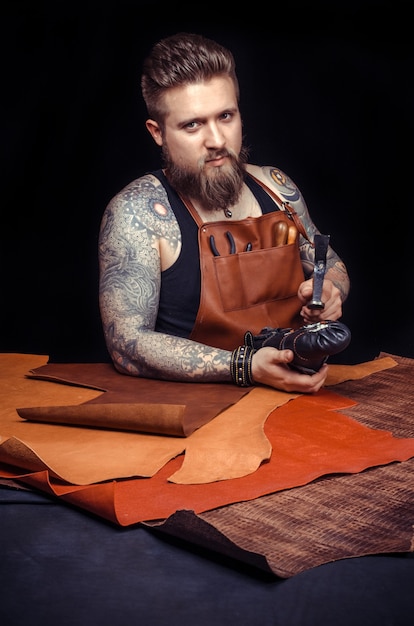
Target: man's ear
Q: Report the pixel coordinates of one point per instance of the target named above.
(155, 131)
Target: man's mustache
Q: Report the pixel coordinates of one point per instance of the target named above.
(218, 154)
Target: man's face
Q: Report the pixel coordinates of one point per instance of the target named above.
(202, 141)
(203, 123)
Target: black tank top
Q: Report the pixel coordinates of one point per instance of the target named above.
(180, 283)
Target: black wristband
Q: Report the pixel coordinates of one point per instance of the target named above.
(241, 366)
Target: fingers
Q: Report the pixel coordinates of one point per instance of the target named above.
(331, 298)
(305, 291)
(283, 356)
(332, 311)
(270, 367)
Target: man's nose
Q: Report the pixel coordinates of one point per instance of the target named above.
(214, 136)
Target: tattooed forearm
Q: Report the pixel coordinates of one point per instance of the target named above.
(173, 358)
(339, 276)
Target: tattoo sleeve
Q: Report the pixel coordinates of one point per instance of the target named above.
(336, 270)
(133, 225)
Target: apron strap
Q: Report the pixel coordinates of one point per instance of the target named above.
(285, 206)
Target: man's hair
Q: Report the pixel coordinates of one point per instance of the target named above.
(182, 59)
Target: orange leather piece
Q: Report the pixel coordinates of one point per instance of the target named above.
(234, 443)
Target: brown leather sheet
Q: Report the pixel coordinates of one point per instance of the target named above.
(130, 403)
(305, 431)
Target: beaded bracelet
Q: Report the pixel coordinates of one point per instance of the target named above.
(241, 366)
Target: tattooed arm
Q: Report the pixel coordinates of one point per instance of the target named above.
(336, 284)
(139, 238)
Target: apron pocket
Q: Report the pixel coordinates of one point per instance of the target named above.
(247, 279)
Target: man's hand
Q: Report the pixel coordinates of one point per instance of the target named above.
(331, 297)
(270, 367)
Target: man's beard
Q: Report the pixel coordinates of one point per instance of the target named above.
(215, 191)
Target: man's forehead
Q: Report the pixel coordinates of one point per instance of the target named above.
(202, 98)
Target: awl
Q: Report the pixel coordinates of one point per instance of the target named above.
(321, 243)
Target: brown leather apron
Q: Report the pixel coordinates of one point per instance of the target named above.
(245, 289)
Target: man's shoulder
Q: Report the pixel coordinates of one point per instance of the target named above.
(144, 187)
(276, 179)
(269, 174)
(143, 184)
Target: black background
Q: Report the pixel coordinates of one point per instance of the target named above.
(327, 96)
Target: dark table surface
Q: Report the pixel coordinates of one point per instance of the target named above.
(62, 566)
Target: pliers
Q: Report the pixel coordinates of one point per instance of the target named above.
(231, 241)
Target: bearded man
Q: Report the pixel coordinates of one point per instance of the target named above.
(196, 253)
